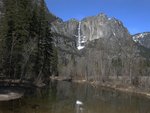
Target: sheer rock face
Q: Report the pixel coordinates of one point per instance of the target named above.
(92, 28)
(101, 26)
(143, 39)
(65, 36)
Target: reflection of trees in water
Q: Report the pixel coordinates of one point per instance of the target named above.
(53, 90)
(64, 91)
(65, 98)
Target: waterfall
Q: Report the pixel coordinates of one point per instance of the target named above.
(81, 39)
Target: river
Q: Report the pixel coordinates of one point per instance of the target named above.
(63, 97)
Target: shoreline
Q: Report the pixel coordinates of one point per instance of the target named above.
(120, 87)
(127, 89)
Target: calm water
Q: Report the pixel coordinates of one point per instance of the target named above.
(61, 97)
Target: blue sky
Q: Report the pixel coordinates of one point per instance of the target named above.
(135, 14)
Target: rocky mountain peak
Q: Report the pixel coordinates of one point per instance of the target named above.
(143, 39)
(91, 28)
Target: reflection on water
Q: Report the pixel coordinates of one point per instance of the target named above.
(64, 97)
(79, 106)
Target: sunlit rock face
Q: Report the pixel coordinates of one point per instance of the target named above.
(143, 39)
(91, 28)
(101, 26)
(96, 27)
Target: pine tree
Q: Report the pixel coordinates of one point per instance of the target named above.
(8, 34)
(15, 27)
(44, 48)
(27, 41)
(22, 26)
